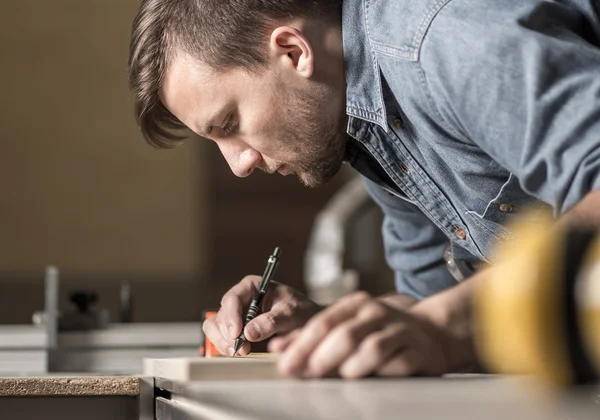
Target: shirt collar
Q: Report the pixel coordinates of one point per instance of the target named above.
(364, 96)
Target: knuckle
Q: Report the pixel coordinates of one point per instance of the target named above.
(289, 309)
(360, 296)
(375, 347)
(232, 296)
(270, 322)
(375, 310)
(346, 339)
(319, 327)
(227, 297)
(252, 279)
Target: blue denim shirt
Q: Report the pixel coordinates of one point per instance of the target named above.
(465, 112)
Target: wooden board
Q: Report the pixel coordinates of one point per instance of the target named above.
(186, 369)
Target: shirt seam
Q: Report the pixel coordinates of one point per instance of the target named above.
(381, 121)
(396, 52)
(426, 23)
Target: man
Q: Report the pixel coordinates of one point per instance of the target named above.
(458, 113)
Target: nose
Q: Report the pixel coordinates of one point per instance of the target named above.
(241, 159)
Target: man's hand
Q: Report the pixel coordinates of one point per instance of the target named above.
(283, 310)
(361, 336)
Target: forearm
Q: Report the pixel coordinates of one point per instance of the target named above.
(451, 310)
(586, 214)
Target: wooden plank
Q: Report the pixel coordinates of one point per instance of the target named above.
(182, 369)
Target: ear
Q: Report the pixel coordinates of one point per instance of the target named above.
(290, 47)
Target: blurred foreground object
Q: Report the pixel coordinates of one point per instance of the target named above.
(538, 311)
(325, 277)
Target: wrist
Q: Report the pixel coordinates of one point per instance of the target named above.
(450, 316)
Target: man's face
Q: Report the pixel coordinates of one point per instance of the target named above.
(272, 120)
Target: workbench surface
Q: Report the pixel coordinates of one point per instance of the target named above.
(454, 397)
(80, 385)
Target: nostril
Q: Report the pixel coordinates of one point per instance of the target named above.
(249, 171)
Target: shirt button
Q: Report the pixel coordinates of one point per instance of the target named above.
(460, 233)
(397, 123)
(507, 208)
(404, 168)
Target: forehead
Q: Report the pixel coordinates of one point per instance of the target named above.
(188, 80)
(193, 91)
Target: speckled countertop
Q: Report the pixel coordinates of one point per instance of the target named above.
(56, 386)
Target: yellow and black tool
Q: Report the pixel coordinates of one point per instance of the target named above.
(538, 312)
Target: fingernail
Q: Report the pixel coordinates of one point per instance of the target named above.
(253, 332)
(232, 331)
(230, 351)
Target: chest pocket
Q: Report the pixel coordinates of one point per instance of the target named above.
(510, 202)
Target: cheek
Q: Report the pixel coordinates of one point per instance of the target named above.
(262, 127)
(266, 125)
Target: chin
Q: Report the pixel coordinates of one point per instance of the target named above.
(320, 173)
(312, 181)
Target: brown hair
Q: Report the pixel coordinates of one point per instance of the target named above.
(222, 33)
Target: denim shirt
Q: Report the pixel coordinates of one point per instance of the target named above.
(465, 112)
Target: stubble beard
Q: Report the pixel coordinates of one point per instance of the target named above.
(318, 143)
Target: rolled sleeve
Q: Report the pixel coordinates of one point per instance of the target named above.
(414, 246)
(522, 81)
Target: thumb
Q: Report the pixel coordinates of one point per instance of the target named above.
(277, 320)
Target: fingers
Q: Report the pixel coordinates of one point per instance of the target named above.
(226, 326)
(281, 318)
(283, 309)
(337, 346)
(296, 355)
(212, 332)
(357, 337)
(279, 344)
(230, 315)
(405, 363)
(375, 350)
(244, 350)
(223, 344)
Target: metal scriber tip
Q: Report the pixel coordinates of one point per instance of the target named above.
(239, 342)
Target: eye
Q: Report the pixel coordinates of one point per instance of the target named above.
(229, 126)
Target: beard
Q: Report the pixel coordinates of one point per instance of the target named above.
(317, 140)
